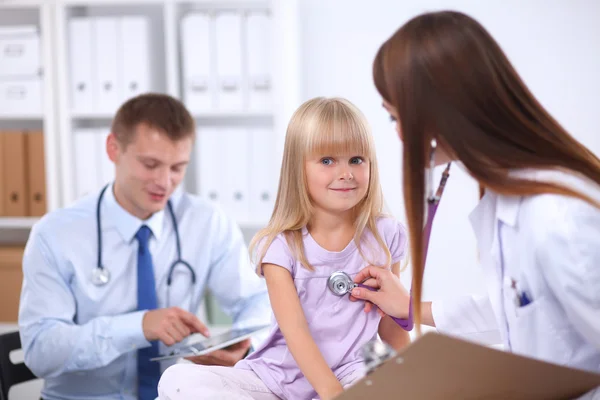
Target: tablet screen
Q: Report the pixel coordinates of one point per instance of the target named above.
(212, 343)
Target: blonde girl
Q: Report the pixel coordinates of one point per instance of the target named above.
(327, 217)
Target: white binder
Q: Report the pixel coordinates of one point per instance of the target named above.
(105, 82)
(87, 160)
(258, 54)
(235, 144)
(209, 163)
(105, 167)
(263, 174)
(134, 56)
(20, 53)
(198, 82)
(229, 61)
(21, 97)
(81, 64)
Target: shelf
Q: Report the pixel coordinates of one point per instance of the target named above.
(21, 117)
(232, 114)
(113, 3)
(252, 225)
(92, 115)
(18, 222)
(21, 4)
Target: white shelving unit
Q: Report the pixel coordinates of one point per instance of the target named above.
(38, 13)
(166, 17)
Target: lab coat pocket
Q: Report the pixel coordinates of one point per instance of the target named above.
(534, 333)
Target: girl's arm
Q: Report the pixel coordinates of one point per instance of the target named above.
(389, 330)
(292, 322)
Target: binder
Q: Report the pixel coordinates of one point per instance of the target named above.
(442, 367)
(134, 56)
(105, 82)
(2, 178)
(228, 35)
(236, 184)
(81, 64)
(87, 160)
(21, 97)
(258, 54)
(106, 166)
(209, 154)
(15, 189)
(20, 53)
(198, 79)
(11, 281)
(263, 174)
(36, 173)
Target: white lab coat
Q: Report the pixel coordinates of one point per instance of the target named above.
(550, 246)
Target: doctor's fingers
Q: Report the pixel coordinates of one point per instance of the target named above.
(176, 332)
(193, 323)
(367, 273)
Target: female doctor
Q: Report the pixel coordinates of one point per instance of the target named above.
(446, 82)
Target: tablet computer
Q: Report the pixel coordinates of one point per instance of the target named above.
(211, 344)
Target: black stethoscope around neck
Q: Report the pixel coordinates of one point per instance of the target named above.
(101, 275)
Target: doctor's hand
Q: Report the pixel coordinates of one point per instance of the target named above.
(171, 325)
(226, 357)
(391, 297)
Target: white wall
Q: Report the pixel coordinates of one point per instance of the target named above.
(554, 44)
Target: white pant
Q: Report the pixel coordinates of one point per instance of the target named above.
(190, 381)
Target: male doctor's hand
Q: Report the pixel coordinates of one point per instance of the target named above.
(226, 357)
(171, 325)
(391, 297)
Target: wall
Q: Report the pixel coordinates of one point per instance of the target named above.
(554, 45)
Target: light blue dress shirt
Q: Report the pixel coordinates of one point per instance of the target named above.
(82, 338)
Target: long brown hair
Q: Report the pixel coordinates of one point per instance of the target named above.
(448, 79)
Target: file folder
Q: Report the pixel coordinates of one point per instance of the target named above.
(197, 35)
(135, 61)
(105, 83)
(11, 281)
(20, 53)
(437, 367)
(87, 160)
(81, 64)
(228, 29)
(263, 172)
(210, 155)
(106, 166)
(36, 173)
(15, 190)
(2, 178)
(258, 54)
(235, 144)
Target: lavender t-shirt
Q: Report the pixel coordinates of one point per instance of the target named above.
(338, 326)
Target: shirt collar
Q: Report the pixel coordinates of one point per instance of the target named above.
(126, 224)
(505, 208)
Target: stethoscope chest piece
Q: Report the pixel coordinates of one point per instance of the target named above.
(340, 283)
(100, 276)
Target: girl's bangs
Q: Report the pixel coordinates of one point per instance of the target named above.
(341, 135)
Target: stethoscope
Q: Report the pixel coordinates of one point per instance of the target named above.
(101, 275)
(340, 283)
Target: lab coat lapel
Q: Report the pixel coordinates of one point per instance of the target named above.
(485, 226)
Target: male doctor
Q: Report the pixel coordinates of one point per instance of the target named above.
(101, 283)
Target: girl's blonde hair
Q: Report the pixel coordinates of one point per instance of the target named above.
(321, 126)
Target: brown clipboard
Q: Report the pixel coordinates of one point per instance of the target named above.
(442, 367)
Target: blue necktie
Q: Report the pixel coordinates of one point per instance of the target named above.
(148, 371)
